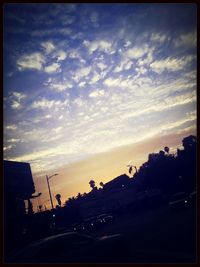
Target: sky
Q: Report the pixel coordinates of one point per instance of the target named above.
(88, 86)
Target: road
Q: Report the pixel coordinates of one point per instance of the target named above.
(157, 235)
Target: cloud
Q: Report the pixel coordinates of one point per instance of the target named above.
(55, 67)
(171, 64)
(74, 54)
(141, 70)
(96, 77)
(9, 147)
(147, 59)
(58, 129)
(11, 127)
(48, 46)
(187, 40)
(112, 82)
(101, 65)
(16, 98)
(81, 72)
(82, 84)
(45, 103)
(100, 45)
(137, 52)
(61, 55)
(19, 96)
(125, 64)
(32, 61)
(60, 86)
(67, 19)
(97, 93)
(51, 32)
(13, 140)
(157, 37)
(15, 104)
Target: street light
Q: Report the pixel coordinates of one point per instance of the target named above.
(48, 178)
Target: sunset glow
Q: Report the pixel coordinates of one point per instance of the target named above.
(90, 88)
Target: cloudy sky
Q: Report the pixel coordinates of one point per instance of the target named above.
(84, 79)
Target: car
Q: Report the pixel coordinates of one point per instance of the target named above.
(106, 218)
(179, 201)
(73, 247)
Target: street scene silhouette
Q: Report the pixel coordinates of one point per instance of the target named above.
(100, 133)
(147, 217)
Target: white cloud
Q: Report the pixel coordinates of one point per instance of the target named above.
(16, 98)
(101, 45)
(60, 86)
(61, 55)
(97, 93)
(158, 37)
(96, 77)
(170, 64)
(187, 40)
(101, 66)
(74, 54)
(58, 129)
(48, 46)
(11, 127)
(141, 70)
(82, 84)
(125, 64)
(137, 52)
(19, 96)
(79, 102)
(13, 140)
(15, 104)
(32, 61)
(55, 67)
(127, 43)
(112, 82)
(7, 148)
(45, 103)
(80, 73)
(146, 60)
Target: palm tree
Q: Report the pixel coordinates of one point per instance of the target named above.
(101, 184)
(131, 168)
(92, 184)
(166, 149)
(58, 198)
(79, 196)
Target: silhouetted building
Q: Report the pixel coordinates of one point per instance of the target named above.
(117, 183)
(18, 187)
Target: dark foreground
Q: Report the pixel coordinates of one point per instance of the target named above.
(153, 236)
(159, 235)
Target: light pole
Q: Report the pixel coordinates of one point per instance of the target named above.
(48, 178)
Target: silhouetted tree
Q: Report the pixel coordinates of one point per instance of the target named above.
(92, 184)
(79, 196)
(186, 163)
(189, 142)
(101, 184)
(166, 149)
(58, 198)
